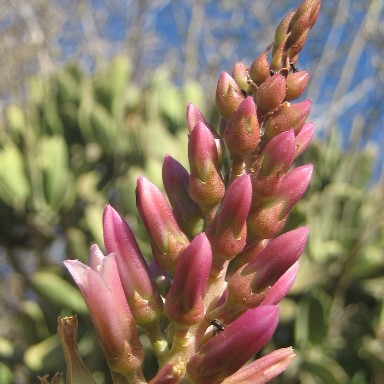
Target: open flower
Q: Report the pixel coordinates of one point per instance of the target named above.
(104, 295)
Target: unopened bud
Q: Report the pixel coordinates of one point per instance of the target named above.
(228, 95)
(259, 70)
(270, 94)
(242, 133)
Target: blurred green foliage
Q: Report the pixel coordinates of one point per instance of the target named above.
(80, 141)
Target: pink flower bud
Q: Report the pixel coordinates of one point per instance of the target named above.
(228, 231)
(270, 94)
(194, 116)
(304, 138)
(281, 37)
(295, 46)
(277, 257)
(293, 186)
(104, 295)
(141, 292)
(304, 17)
(228, 95)
(206, 185)
(299, 22)
(264, 369)
(259, 70)
(167, 240)
(184, 302)
(300, 113)
(282, 30)
(242, 133)
(282, 286)
(276, 158)
(224, 354)
(240, 296)
(176, 183)
(296, 84)
(287, 116)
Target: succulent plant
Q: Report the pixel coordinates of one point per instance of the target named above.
(208, 302)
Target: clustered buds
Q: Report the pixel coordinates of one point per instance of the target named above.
(208, 302)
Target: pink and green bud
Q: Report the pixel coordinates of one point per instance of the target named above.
(304, 138)
(176, 183)
(259, 70)
(282, 286)
(223, 356)
(184, 303)
(296, 46)
(296, 84)
(302, 21)
(265, 222)
(282, 30)
(242, 132)
(241, 76)
(167, 239)
(206, 185)
(304, 17)
(270, 94)
(293, 186)
(103, 293)
(194, 116)
(277, 257)
(287, 116)
(228, 95)
(228, 231)
(240, 296)
(77, 372)
(267, 219)
(277, 156)
(300, 113)
(141, 292)
(264, 369)
(279, 46)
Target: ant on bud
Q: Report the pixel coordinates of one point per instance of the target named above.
(271, 72)
(218, 326)
(294, 68)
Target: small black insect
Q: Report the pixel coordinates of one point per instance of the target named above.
(271, 72)
(218, 326)
(294, 68)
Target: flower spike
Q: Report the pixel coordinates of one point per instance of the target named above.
(208, 299)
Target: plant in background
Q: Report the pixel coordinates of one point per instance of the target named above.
(208, 301)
